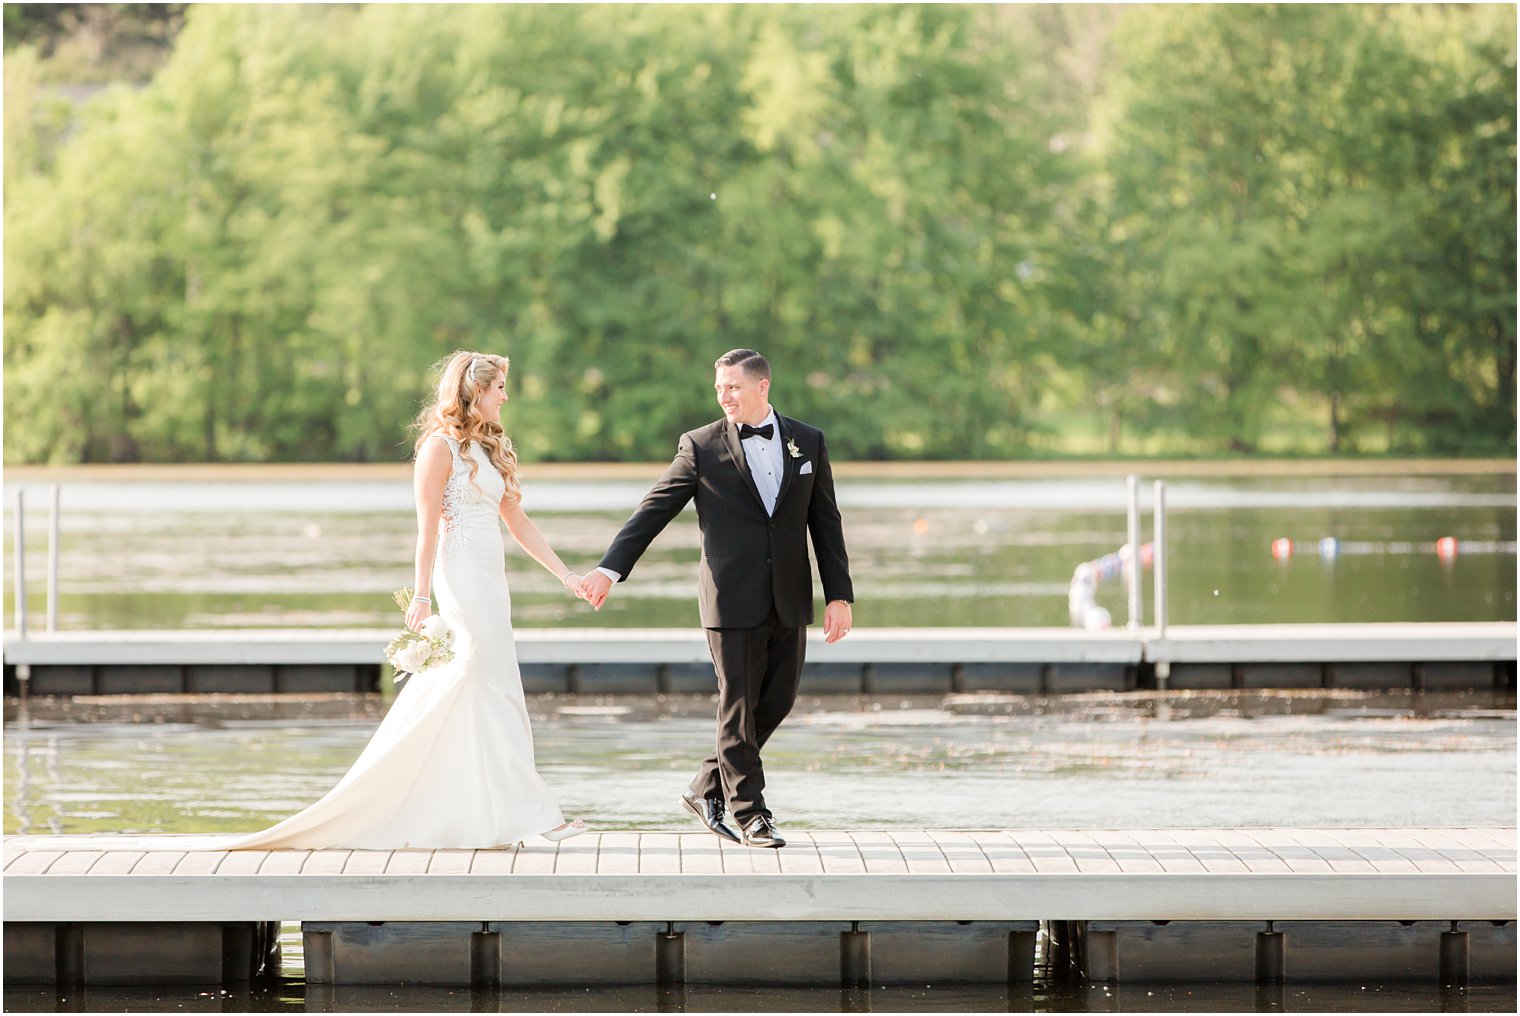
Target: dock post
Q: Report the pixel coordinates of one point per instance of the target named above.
(1021, 953)
(1158, 567)
(1158, 562)
(485, 959)
(670, 957)
(1100, 951)
(19, 551)
(1133, 573)
(52, 572)
(855, 957)
(1454, 958)
(1270, 955)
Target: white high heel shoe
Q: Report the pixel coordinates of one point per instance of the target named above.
(572, 828)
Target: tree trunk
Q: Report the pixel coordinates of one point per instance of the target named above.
(1335, 422)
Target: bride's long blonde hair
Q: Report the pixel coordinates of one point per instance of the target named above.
(454, 413)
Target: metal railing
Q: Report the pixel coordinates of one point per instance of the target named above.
(1081, 596)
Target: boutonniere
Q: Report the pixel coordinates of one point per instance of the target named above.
(791, 447)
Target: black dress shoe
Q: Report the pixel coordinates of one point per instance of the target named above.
(709, 810)
(761, 832)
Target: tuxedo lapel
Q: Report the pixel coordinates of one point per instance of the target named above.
(736, 452)
(788, 464)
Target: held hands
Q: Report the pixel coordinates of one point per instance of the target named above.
(575, 584)
(837, 620)
(594, 589)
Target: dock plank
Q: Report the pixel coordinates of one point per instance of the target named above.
(1467, 857)
(325, 862)
(700, 854)
(1129, 855)
(961, 851)
(1502, 838)
(1338, 855)
(660, 853)
(1005, 855)
(33, 862)
(535, 859)
(577, 856)
(1253, 856)
(1295, 855)
(366, 862)
(1169, 851)
(921, 853)
(618, 854)
(1213, 854)
(1369, 845)
(495, 861)
(76, 862)
(283, 862)
(801, 855)
(839, 853)
(161, 862)
(450, 862)
(119, 862)
(1047, 854)
(879, 851)
(200, 862)
(1089, 853)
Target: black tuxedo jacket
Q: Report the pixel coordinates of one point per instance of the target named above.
(749, 559)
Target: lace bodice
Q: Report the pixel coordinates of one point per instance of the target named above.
(470, 507)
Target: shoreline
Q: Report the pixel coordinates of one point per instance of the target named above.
(897, 470)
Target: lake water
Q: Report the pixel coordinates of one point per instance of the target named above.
(933, 552)
(978, 761)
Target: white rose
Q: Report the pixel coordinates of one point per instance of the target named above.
(435, 627)
(414, 656)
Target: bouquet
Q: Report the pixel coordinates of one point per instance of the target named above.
(413, 652)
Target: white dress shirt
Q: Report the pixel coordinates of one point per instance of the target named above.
(765, 463)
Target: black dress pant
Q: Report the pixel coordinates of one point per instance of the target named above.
(759, 670)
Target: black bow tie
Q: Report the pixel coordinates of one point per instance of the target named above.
(745, 430)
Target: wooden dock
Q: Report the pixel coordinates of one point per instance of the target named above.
(1101, 892)
(870, 661)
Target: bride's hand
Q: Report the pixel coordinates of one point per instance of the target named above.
(572, 584)
(418, 612)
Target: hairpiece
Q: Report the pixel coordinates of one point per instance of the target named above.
(474, 362)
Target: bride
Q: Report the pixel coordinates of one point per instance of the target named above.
(451, 765)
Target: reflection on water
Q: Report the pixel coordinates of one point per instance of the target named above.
(945, 552)
(1321, 758)
(1039, 997)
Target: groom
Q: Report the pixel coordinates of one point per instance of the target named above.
(762, 484)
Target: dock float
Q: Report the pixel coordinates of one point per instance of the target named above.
(841, 908)
(1445, 656)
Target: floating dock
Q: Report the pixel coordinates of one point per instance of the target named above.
(850, 909)
(870, 661)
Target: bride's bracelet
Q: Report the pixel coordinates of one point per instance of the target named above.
(562, 578)
(422, 599)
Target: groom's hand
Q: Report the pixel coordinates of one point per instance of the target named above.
(836, 620)
(595, 587)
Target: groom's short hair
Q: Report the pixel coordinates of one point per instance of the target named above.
(753, 363)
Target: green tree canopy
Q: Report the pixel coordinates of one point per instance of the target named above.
(957, 231)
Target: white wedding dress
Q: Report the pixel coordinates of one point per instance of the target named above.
(451, 765)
